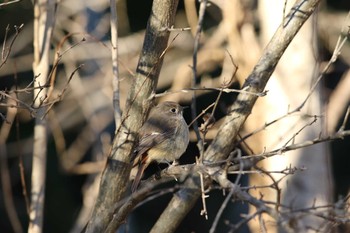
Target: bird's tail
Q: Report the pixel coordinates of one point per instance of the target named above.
(141, 168)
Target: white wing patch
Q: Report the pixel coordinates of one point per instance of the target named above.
(155, 133)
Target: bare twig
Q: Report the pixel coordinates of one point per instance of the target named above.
(204, 210)
(336, 52)
(9, 2)
(228, 198)
(58, 57)
(222, 89)
(346, 118)
(114, 42)
(337, 135)
(245, 220)
(274, 185)
(5, 54)
(202, 113)
(244, 196)
(220, 211)
(201, 13)
(122, 208)
(61, 95)
(300, 130)
(200, 140)
(19, 103)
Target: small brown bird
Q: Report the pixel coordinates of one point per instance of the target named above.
(163, 138)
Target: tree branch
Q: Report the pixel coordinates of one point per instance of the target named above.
(114, 41)
(115, 178)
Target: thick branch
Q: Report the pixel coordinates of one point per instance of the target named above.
(222, 144)
(115, 178)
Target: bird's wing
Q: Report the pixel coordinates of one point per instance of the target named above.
(147, 141)
(150, 140)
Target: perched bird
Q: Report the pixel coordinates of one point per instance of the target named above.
(163, 138)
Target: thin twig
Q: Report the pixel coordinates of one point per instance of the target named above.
(61, 95)
(262, 224)
(4, 54)
(228, 198)
(114, 42)
(299, 131)
(58, 57)
(222, 89)
(274, 185)
(346, 118)
(340, 43)
(220, 211)
(247, 218)
(201, 114)
(204, 210)
(202, 8)
(19, 103)
(256, 158)
(200, 142)
(9, 2)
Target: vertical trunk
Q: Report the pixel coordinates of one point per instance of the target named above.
(44, 17)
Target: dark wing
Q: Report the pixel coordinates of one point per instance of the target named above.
(153, 133)
(153, 137)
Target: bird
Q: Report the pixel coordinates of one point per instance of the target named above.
(163, 138)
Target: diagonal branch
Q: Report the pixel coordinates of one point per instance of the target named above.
(115, 178)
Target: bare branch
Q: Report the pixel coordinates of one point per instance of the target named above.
(338, 135)
(61, 95)
(6, 52)
(202, 8)
(114, 41)
(227, 199)
(9, 2)
(346, 118)
(115, 178)
(226, 90)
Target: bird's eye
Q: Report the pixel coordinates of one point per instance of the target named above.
(173, 110)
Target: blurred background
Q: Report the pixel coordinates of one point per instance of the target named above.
(81, 126)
